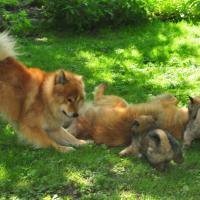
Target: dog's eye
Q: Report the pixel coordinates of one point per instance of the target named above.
(69, 100)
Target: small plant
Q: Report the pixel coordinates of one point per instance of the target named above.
(88, 14)
(18, 16)
(18, 22)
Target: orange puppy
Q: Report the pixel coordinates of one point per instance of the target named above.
(108, 120)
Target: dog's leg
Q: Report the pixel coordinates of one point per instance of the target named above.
(40, 139)
(72, 129)
(99, 91)
(63, 137)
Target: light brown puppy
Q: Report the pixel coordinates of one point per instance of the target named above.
(108, 120)
(38, 103)
(193, 127)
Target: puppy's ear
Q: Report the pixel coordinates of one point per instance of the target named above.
(61, 78)
(155, 137)
(135, 124)
(174, 144)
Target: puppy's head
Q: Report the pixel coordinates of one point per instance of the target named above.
(161, 148)
(143, 124)
(67, 96)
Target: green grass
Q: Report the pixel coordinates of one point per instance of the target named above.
(137, 62)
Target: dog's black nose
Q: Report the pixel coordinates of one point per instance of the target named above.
(75, 115)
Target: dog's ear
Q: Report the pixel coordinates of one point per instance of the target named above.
(61, 78)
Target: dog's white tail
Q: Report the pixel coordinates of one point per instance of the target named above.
(7, 46)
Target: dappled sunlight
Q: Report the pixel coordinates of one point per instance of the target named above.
(130, 53)
(130, 195)
(99, 65)
(131, 59)
(42, 39)
(145, 55)
(119, 168)
(162, 37)
(23, 184)
(176, 79)
(76, 177)
(59, 56)
(3, 173)
(93, 171)
(86, 55)
(95, 61)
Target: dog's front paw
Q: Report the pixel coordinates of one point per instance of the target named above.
(83, 142)
(64, 149)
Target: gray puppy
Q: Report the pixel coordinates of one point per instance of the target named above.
(158, 146)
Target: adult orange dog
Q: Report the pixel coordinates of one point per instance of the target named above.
(37, 103)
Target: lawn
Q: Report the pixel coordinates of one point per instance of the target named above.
(137, 62)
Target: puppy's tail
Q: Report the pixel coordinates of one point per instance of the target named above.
(7, 46)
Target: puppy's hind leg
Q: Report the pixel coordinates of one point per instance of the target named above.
(99, 91)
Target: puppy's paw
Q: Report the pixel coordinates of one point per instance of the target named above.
(123, 153)
(130, 150)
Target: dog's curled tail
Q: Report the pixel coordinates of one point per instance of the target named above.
(7, 46)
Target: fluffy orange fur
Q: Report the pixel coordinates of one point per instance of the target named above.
(38, 103)
(108, 120)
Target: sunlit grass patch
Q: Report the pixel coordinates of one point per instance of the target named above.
(3, 173)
